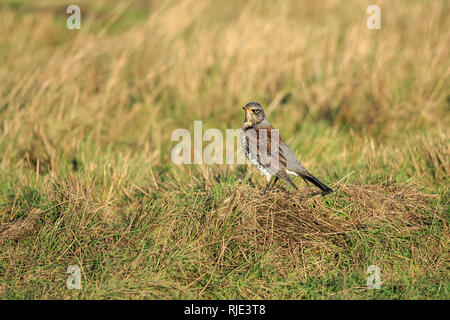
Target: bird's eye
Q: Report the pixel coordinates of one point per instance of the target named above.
(255, 110)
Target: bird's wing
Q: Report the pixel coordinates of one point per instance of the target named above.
(287, 158)
(292, 163)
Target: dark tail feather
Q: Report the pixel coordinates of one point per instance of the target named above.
(309, 177)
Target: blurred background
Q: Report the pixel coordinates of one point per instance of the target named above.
(86, 118)
(342, 95)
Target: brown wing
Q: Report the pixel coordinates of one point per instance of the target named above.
(266, 145)
(288, 160)
(271, 138)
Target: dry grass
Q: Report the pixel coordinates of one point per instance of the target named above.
(295, 220)
(86, 178)
(20, 228)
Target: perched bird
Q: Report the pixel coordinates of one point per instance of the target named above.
(267, 151)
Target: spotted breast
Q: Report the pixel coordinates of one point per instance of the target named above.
(252, 158)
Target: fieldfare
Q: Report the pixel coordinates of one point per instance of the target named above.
(267, 151)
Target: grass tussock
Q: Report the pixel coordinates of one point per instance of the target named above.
(302, 219)
(20, 228)
(86, 176)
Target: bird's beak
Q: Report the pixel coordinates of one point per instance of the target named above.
(245, 108)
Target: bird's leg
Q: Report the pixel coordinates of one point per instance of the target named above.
(270, 184)
(307, 183)
(267, 185)
(274, 181)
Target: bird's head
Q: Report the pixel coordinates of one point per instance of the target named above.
(254, 114)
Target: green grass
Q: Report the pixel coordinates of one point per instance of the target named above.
(86, 177)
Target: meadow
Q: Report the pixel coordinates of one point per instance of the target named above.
(86, 176)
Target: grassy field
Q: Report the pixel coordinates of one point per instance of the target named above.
(86, 176)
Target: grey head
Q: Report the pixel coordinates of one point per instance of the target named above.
(254, 114)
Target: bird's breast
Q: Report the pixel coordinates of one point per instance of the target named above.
(252, 157)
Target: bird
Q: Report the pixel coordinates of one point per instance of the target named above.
(267, 151)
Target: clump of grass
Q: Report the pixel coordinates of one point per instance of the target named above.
(20, 228)
(299, 219)
(86, 177)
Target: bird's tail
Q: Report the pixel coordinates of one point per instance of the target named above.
(322, 186)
